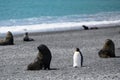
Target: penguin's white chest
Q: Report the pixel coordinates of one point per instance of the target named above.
(76, 59)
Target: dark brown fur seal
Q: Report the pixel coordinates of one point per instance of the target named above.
(9, 40)
(26, 37)
(85, 27)
(108, 49)
(42, 60)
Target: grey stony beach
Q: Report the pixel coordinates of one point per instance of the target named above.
(15, 58)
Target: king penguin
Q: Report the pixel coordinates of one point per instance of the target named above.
(77, 58)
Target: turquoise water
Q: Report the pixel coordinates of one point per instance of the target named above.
(19, 9)
(19, 13)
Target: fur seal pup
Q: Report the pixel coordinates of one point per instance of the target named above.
(9, 40)
(26, 37)
(108, 49)
(42, 60)
(77, 58)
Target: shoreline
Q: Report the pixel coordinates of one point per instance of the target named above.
(64, 31)
(55, 27)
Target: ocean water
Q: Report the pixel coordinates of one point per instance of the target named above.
(19, 16)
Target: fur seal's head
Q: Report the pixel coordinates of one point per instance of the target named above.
(108, 42)
(42, 48)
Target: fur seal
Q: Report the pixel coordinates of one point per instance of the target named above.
(26, 37)
(85, 27)
(9, 40)
(108, 49)
(77, 58)
(42, 60)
